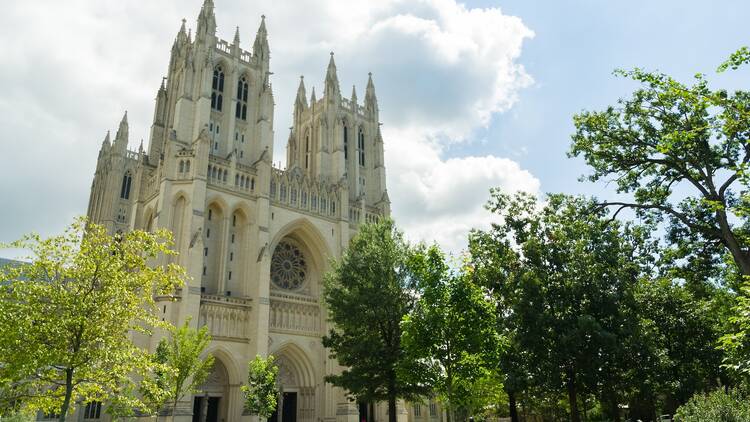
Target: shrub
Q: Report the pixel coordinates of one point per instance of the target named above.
(716, 406)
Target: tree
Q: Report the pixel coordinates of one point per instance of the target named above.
(66, 317)
(718, 405)
(181, 365)
(261, 392)
(368, 292)
(452, 330)
(682, 151)
(564, 275)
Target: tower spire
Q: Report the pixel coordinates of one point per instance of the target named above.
(371, 100)
(301, 102)
(260, 46)
(121, 139)
(332, 90)
(206, 22)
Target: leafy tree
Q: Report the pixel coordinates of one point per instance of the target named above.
(368, 292)
(673, 351)
(181, 365)
(718, 405)
(682, 151)
(452, 330)
(566, 274)
(66, 317)
(261, 391)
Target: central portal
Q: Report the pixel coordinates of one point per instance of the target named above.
(288, 409)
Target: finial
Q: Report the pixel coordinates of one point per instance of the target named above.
(125, 117)
(331, 53)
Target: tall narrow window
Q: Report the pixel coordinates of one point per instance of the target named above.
(346, 143)
(217, 89)
(241, 111)
(361, 146)
(307, 151)
(125, 189)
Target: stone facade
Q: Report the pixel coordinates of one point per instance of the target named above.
(255, 240)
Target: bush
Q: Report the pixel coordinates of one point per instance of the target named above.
(717, 406)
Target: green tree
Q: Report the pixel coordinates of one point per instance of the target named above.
(452, 330)
(718, 406)
(682, 151)
(261, 392)
(181, 366)
(564, 275)
(368, 292)
(66, 317)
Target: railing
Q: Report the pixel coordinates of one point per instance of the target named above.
(225, 316)
(294, 189)
(226, 48)
(294, 314)
(347, 104)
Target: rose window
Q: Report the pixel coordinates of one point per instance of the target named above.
(288, 267)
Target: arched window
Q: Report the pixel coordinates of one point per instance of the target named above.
(125, 189)
(217, 89)
(241, 111)
(307, 150)
(187, 166)
(182, 166)
(361, 146)
(346, 143)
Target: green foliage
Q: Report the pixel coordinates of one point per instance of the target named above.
(674, 347)
(66, 317)
(563, 276)
(261, 391)
(180, 366)
(737, 59)
(716, 406)
(681, 151)
(452, 331)
(368, 292)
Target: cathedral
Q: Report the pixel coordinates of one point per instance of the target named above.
(255, 240)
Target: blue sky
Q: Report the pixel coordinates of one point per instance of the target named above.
(472, 95)
(571, 58)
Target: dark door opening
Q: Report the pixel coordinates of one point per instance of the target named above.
(289, 409)
(212, 410)
(197, 402)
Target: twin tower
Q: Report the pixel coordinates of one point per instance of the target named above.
(255, 240)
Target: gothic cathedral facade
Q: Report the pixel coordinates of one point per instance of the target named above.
(255, 240)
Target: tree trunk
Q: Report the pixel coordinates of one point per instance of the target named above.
(392, 416)
(730, 241)
(512, 406)
(572, 395)
(68, 394)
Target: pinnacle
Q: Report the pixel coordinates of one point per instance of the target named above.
(237, 36)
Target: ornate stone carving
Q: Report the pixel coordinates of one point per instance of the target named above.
(288, 266)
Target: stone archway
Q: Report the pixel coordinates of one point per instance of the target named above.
(210, 404)
(296, 382)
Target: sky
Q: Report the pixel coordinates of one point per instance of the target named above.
(473, 95)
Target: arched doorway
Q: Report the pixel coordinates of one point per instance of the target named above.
(210, 403)
(296, 386)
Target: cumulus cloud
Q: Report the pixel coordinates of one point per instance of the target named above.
(441, 71)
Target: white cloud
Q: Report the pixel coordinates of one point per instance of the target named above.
(441, 71)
